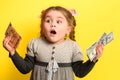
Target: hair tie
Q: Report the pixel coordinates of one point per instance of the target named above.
(73, 12)
(43, 11)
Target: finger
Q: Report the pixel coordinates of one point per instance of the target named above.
(100, 47)
(6, 40)
(99, 53)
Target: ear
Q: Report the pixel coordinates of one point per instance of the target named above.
(69, 29)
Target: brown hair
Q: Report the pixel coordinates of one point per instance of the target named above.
(70, 19)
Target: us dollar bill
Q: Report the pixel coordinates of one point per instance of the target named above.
(91, 51)
(109, 37)
(104, 40)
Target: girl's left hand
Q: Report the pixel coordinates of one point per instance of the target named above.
(99, 52)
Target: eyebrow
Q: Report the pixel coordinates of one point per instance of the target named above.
(57, 17)
(61, 17)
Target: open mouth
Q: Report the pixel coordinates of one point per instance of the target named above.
(53, 32)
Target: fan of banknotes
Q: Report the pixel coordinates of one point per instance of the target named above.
(104, 40)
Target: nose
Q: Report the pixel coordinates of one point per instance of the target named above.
(52, 25)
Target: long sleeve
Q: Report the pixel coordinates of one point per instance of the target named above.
(23, 65)
(81, 69)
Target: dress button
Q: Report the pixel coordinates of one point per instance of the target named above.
(53, 52)
(53, 47)
(52, 58)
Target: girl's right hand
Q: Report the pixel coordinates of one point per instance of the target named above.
(7, 46)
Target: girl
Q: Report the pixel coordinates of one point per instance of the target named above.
(53, 56)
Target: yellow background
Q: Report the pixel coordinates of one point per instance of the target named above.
(95, 17)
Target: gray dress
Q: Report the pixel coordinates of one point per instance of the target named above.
(45, 52)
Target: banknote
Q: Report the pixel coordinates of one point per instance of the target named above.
(104, 40)
(15, 37)
(110, 37)
(91, 51)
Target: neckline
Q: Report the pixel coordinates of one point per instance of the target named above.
(47, 42)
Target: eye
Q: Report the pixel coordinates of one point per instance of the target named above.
(59, 21)
(48, 21)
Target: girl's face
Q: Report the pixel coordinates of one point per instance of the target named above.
(55, 26)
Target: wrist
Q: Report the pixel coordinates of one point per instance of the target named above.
(12, 52)
(95, 60)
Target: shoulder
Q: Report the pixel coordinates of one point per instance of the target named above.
(75, 45)
(35, 40)
(71, 42)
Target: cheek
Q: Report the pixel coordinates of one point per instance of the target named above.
(62, 31)
(45, 29)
